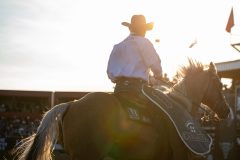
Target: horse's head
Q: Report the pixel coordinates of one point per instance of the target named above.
(213, 96)
(204, 86)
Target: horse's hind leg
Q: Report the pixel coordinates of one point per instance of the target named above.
(108, 158)
(86, 128)
(60, 156)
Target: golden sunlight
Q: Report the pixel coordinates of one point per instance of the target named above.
(72, 37)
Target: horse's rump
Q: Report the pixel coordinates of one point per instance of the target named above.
(98, 124)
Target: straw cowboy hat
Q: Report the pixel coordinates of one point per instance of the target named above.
(138, 22)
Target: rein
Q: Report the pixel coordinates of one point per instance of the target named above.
(206, 93)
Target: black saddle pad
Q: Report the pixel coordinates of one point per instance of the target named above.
(189, 130)
(135, 111)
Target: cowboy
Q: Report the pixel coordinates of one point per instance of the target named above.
(132, 60)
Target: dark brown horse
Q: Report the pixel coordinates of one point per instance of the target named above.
(96, 127)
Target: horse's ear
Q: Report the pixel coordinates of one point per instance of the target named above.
(212, 68)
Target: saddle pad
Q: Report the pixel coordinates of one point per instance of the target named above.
(189, 130)
(135, 111)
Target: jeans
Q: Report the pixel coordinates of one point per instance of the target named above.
(131, 89)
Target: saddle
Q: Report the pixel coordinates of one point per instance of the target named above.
(135, 110)
(188, 129)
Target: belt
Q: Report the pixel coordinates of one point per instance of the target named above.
(130, 80)
(130, 85)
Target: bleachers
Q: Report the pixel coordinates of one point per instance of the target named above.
(21, 112)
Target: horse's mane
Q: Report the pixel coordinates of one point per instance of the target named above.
(193, 67)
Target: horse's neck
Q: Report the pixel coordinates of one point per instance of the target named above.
(179, 93)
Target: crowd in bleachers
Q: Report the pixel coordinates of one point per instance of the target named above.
(17, 121)
(17, 127)
(22, 107)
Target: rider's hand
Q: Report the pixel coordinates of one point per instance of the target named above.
(158, 77)
(154, 80)
(161, 80)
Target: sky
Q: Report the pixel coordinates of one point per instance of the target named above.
(64, 45)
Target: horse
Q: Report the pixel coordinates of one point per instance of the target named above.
(98, 127)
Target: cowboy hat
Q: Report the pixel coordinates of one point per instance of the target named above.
(138, 21)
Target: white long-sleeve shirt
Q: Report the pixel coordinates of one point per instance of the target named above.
(134, 57)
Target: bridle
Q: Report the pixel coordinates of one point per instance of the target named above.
(216, 102)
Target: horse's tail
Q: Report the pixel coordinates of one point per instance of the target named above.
(40, 145)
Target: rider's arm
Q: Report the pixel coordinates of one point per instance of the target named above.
(152, 59)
